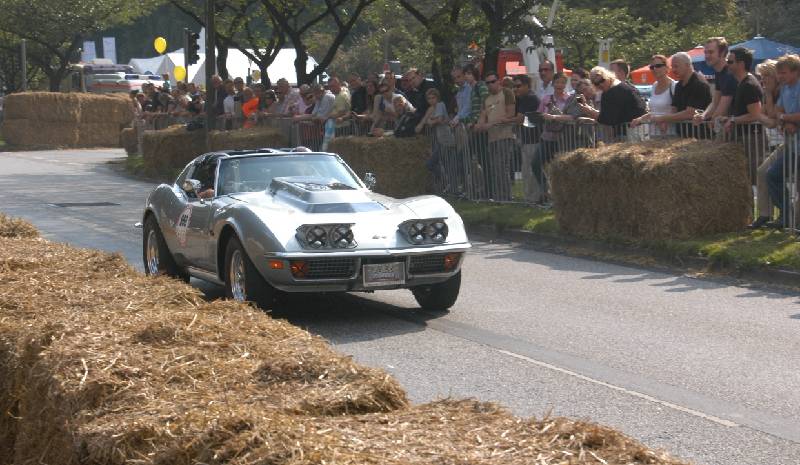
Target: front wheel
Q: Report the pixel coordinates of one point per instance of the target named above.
(438, 297)
(243, 282)
(156, 255)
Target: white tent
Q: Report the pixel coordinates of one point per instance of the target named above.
(238, 66)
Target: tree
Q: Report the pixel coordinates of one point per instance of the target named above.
(11, 65)
(243, 25)
(296, 18)
(442, 25)
(576, 30)
(501, 17)
(55, 30)
(776, 19)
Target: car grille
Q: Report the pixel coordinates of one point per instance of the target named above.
(423, 264)
(331, 268)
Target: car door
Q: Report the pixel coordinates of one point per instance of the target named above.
(198, 220)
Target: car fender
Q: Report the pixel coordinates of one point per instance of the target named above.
(255, 236)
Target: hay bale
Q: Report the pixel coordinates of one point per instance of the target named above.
(15, 227)
(31, 133)
(652, 190)
(168, 150)
(398, 163)
(99, 134)
(105, 108)
(44, 106)
(103, 360)
(128, 140)
(242, 139)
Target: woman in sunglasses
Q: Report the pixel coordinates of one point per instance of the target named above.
(620, 103)
(661, 95)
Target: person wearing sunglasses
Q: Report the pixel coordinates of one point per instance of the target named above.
(620, 103)
(498, 112)
(546, 73)
(662, 94)
(746, 108)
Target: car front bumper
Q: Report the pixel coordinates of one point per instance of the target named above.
(342, 271)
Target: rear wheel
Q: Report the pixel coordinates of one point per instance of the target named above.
(156, 255)
(243, 282)
(440, 296)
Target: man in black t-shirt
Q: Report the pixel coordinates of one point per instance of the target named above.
(716, 51)
(358, 94)
(746, 108)
(418, 87)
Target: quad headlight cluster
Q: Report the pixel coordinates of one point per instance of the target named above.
(322, 236)
(425, 231)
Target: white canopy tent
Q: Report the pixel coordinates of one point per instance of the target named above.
(238, 66)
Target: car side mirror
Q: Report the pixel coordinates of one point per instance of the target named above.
(370, 181)
(191, 186)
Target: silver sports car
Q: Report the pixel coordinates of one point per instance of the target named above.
(261, 222)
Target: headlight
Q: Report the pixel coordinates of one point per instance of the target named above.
(316, 237)
(341, 236)
(416, 232)
(437, 231)
(319, 236)
(421, 231)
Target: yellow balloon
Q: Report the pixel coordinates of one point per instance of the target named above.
(160, 44)
(179, 72)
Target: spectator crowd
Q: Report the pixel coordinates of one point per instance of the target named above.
(516, 124)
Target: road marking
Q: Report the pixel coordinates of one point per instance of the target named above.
(640, 395)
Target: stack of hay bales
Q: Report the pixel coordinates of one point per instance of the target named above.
(398, 163)
(168, 150)
(52, 119)
(101, 364)
(677, 189)
(243, 139)
(128, 141)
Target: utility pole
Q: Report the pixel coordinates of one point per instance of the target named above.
(210, 64)
(24, 61)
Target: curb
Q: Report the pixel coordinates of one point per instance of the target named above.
(568, 246)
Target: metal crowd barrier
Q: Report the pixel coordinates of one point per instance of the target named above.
(507, 163)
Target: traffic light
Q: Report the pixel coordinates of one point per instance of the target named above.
(192, 47)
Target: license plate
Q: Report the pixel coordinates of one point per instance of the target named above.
(384, 274)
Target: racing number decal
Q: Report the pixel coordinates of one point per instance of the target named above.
(183, 224)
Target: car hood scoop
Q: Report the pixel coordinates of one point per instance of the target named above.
(322, 195)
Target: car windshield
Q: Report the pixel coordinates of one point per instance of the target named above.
(253, 174)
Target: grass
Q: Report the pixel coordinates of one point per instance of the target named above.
(739, 251)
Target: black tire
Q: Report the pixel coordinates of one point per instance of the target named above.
(255, 288)
(162, 261)
(438, 297)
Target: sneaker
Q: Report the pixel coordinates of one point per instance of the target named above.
(760, 222)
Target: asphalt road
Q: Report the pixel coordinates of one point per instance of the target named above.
(705, 369)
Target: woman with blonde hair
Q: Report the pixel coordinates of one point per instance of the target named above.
(620, 103)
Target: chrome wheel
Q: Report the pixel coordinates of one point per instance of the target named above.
(152, 253)
(237, 276)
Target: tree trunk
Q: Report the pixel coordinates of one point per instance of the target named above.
(442, 63)
(492, 50)
(222, 59)
(265, 80)
(300, 63)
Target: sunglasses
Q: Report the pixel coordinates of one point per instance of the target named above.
(492, 81)
(657, 65)
(730, 62)
(542, 70)
(597, 82)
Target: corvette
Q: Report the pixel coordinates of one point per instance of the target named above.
(262, 222)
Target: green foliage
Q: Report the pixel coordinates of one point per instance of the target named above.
(776, 19)
(641, 29)
(55, 30)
